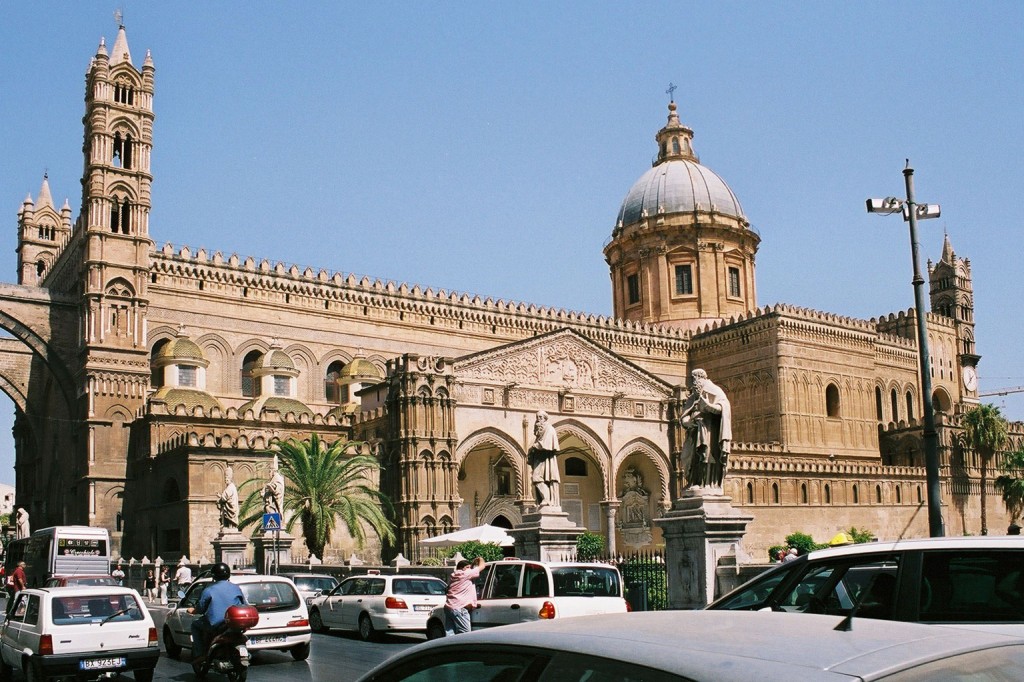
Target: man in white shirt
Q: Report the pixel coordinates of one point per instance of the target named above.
(183, 577)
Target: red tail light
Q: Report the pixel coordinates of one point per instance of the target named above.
(629, 607)
(395, 603)
(152, 637)
(547, 611)
(298, 623)
(46, 645)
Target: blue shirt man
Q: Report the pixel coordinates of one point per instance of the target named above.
(213, 604)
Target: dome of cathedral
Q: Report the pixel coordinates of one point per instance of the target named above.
(678, 186)
(359, 370)
(177, 349)
(677, 183)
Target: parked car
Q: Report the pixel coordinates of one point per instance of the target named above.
(80, 580)
(710, 646)
(311, 585)
(373, 603)
(80, 632)
(515, 591)
(975, 582)
(284, 619)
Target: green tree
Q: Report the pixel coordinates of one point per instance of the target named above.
(1011, 484)
(471, 549)
(325, 485)
(589, 546)
(985, 432)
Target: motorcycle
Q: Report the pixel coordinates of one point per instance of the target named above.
(227, 653)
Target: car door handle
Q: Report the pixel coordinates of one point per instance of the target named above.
(514, 607)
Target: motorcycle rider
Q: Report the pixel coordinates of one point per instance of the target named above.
(213, 604)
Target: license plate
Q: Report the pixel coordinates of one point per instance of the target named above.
(101, 663)
(422, 607)
(266, 639)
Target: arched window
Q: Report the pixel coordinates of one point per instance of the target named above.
(919, 498)
(675, 145)
(575, 466)
(171, 491)
(250, 386)
(331, 391)
(40, 268)
(503, 477)
(156, 374)
(899, 495)
(828, 494)
(878, 494)
(878, 404)
(832, 400)
(803, 493)
(775, 493)
(910, 405)
(895, 400)
(856, 495)
(750, 493)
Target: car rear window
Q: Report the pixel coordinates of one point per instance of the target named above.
(586, 581)
(95, 609)
(418, 586)
(270, 596)
(313, 583)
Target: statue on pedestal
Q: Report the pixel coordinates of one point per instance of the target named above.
(543, 458)
(707, 417)
(21, 528)
(227, 502)
(273, 491)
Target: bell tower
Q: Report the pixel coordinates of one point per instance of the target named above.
(42, 233)
(952, 295)
(113, 270)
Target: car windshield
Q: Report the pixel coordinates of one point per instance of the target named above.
(312, 583)
(586, 581)
(80, 610)
(270, 595)
(418, 586)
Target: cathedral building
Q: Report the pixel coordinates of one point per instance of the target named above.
(141, 372)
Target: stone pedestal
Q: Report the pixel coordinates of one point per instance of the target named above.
(272, 550)
(229, 547)
(701, 531)
(546, 535)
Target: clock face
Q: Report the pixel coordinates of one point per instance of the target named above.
(970, 378)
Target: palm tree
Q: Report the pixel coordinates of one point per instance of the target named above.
(325, 484)
(1011, 484)
(985, 432)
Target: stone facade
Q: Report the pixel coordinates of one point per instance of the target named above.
(444, 385)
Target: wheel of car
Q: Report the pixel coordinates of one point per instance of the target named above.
(6, 671)
(366, 631)
(238, 675)
(172, 647)
(435, 630)
(316, 622)
(144, 675)
(300, 652)
(33, 672)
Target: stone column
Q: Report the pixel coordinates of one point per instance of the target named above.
(611, 508)
(229, 547)
(269, 547)
(701, 531)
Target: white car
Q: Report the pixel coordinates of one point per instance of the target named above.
(312, 585)
(711, 646)
(79, 632)
(374, 603)
(284, 619)
(516, 591)
(966, 582)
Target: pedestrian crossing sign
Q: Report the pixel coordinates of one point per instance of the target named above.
(272, 521)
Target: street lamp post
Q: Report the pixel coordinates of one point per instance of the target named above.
(911, 211)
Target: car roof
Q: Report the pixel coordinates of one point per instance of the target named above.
(292, 576)
(413, 576)
(554, 564)
(84, 590)
(79, 576)
(971, 542)
(245, 578)
(737, 645)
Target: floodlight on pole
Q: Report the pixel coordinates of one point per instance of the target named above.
(912, 212)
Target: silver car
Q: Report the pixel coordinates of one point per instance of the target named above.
(706, 646)
(312, 585)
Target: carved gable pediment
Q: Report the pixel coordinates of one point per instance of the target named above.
(564, 359)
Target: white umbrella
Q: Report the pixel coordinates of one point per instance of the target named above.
(485, 534)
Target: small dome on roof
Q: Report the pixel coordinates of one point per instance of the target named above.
(276, 403)
(359, 370)
(275, 359)
(191, 398)
(180, 348)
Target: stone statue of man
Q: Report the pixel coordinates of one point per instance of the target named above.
(707, 417)
(273, 491)
(227, 501)
(21, 528)
(543, 456)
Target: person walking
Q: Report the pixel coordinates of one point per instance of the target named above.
(165, 585)
(461, 595)
(183, 577)
(118, 574)
(150, 586)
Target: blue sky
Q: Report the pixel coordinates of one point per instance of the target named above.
(485, 147)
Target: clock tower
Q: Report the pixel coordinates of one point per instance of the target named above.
(952, 295)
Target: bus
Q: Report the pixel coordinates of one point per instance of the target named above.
(60, 550)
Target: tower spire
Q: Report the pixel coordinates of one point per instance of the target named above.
(675, 139)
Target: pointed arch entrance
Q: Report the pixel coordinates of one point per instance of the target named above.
(491, 480)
